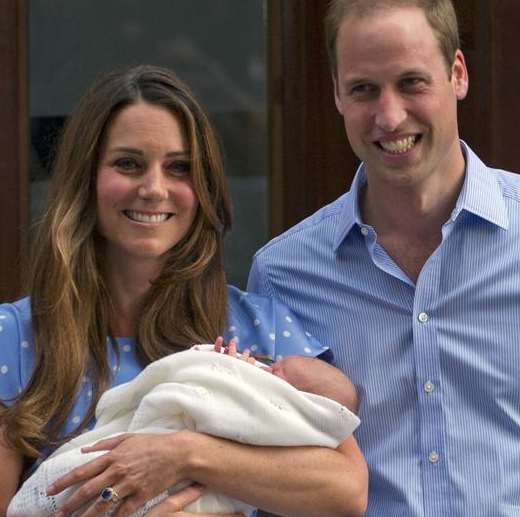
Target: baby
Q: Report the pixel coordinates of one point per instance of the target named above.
(307, 374)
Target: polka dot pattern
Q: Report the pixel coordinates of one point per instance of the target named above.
(265, 326)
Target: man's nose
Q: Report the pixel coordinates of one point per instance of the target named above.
(390, 111)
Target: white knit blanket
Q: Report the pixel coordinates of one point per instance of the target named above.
(205, 392)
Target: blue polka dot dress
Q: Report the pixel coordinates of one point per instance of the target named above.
(264, 326)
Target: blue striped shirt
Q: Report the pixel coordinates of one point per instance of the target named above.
(437, 363)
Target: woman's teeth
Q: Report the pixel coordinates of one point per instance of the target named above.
(140, 217)
(399, 146)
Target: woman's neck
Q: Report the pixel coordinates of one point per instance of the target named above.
(128, 283)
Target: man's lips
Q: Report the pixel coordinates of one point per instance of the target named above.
(399, 145)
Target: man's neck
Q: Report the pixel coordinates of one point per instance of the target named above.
(409, 221)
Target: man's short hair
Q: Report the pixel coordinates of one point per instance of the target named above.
(440, 14)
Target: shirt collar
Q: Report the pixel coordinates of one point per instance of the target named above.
(481, 195)
(481, 192)
(350, 213)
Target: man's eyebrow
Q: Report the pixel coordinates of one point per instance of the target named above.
(415, 72)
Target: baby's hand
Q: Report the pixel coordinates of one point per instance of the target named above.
(231, 349)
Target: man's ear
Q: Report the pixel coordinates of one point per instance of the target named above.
(337, 99)
(459, 76)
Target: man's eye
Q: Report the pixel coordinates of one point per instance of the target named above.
(363, 89)
(411, 83)
(179, 168)
(127, 164)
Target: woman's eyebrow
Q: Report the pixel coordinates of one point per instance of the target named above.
(133, 150)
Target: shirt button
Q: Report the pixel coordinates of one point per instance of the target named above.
(433, 457)
(364, 231)
(429, 386)
(423, 317)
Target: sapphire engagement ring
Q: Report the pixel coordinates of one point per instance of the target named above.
(109, 495)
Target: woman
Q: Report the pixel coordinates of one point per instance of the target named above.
(127, 268)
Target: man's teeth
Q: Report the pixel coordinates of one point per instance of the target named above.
(146, 218)
(399, 146)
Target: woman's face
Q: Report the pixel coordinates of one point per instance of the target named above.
(145, 198)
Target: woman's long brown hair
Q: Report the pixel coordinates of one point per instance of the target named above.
(70, 303)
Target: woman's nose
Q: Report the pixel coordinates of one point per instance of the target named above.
(153, 185)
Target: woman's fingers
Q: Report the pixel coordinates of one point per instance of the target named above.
(87, 471)
(100, 505)
(107, 444)
(173, 504)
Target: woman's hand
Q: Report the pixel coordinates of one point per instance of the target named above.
(174, 505)
(137, 467)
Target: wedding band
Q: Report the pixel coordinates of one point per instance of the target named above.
(109, 495)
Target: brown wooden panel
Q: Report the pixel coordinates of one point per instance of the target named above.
(505, 98)
(310, 160)
(490, 114)
(475, 111)
(13, 146)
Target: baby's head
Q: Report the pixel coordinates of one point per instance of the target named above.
(316, 376)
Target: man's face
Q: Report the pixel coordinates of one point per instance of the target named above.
(398, 102)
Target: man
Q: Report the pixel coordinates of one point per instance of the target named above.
(413, 276)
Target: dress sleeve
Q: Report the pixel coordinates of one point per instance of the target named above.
(268, 328)
(11, 346)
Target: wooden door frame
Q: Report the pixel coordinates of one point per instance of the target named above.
(13, 147)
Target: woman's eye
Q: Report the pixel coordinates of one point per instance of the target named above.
(179, 168)
(126, 164)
